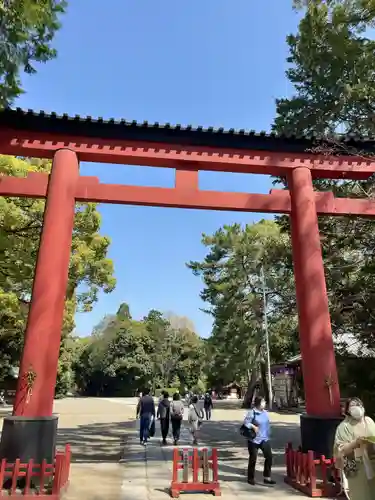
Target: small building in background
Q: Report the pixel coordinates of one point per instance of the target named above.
(232, 391)
(286, 383)
(229, 391)
(355, 362)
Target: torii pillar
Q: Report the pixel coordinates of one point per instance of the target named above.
(319, 370)
(31, 431)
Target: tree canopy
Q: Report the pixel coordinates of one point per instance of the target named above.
(20, 227)
(124, 356)
(332, 68)
(27, 29)
(232, 271)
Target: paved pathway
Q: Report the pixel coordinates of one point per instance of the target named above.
(109, 463)
(147, 471)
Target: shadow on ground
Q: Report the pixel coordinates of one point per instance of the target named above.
(100, 442)
(232, 447)
(225, 434)
(105, 442)
(227, 404)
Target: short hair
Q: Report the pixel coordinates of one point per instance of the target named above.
(194, 399)
(349, 401)
(258, 400)
(166, 394)
(176, 396)
(146, 391)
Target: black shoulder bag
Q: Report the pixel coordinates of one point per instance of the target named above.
(247, 433)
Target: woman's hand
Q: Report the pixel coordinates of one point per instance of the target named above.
(255, 428)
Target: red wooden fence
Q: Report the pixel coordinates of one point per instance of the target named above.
(314, 477)
(200, 463)
(30, 479)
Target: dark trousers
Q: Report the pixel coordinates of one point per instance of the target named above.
(207, 410)
(164, 427)
(144, 427)
(253, 448)
(176, 428)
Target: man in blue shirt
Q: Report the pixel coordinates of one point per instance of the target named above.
(258, 420)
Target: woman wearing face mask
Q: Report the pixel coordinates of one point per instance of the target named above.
(258, 420)
(354, 454)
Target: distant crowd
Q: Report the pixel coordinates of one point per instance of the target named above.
(255, 428)
(171, 413)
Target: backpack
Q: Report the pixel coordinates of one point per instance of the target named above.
(176, 410)
(163, 409)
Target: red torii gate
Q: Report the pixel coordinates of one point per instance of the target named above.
(68, 140)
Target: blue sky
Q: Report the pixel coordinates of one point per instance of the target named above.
(211, 62)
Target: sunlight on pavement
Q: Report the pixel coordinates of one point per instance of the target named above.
(108, 461)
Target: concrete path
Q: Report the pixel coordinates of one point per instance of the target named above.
(147, 471)
(108, 462)
(96, 430)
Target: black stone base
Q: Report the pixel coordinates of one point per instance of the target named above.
(318, 434)
(29, 438)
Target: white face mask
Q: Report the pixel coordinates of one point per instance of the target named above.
(357, 412)
(262, 405)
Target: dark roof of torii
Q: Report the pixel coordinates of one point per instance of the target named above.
(18, 119)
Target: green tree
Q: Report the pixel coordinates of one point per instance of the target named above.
(359, 13)
(176, 351)
(332, 70)
(179, 322)
(21, 222)
(231, 273)
(104, 324)
(128, 364)
(332, 67)
(27, 28)
(190, 361)
(128, 355)
(123, 312)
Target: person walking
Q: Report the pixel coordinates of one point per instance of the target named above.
(177, 414)
(355, 453)
(146, 413)
(163, 414)
(208, 405)
(195, 418)
(258, 420)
